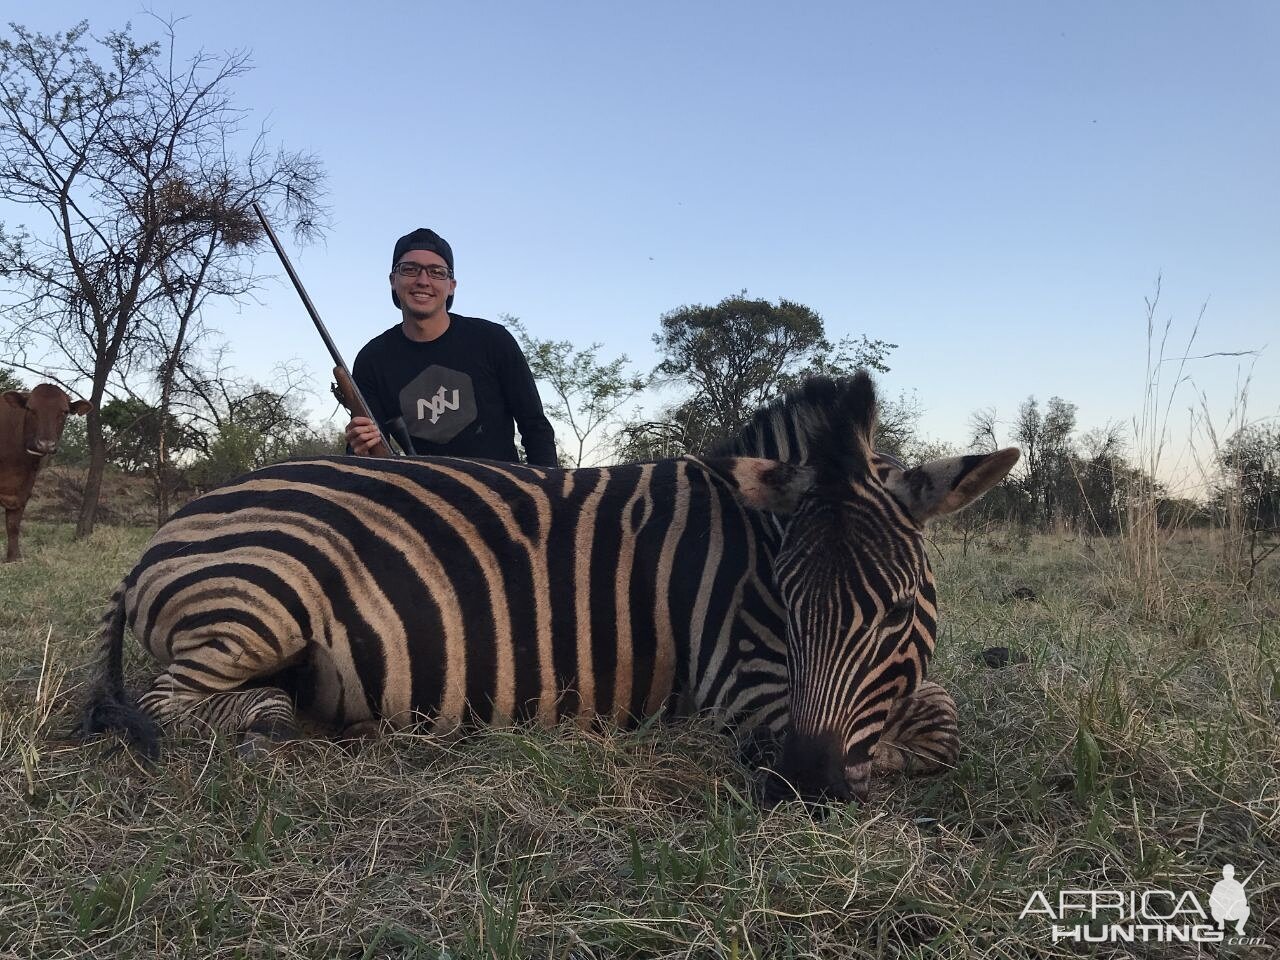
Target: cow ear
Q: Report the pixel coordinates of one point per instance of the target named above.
(81, 407)
(945, 486)
(769, 485)
(15, 398)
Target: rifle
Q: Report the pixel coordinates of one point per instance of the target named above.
(345, 389)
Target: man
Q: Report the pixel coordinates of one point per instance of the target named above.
(456, 384)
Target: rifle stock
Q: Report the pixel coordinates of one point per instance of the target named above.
(345, 390)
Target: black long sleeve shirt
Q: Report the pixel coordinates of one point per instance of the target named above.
(460, 395)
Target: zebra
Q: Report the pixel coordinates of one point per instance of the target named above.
(778, 585)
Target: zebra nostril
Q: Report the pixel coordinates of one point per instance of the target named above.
(818, 795)
(814, 768)
(775, 788)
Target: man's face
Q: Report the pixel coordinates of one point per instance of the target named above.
(422, 297)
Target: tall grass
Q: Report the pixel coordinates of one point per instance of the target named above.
(1167, 379)
(1141, 538)
(1127, 753)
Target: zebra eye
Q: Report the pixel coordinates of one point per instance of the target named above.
(900, 612)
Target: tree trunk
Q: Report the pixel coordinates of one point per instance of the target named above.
(93, 482)
(162, 459)
(162, 498)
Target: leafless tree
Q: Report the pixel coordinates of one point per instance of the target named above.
(897, 422)
(212, 398)
(982, 431)
(678, 431)
(129, 161)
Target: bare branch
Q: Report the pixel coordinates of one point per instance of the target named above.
(139, 164)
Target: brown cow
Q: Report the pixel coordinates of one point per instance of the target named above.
(30, 427)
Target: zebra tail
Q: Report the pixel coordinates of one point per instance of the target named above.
(108, 707)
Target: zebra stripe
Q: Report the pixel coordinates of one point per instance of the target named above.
(637, 572)
(779, 585)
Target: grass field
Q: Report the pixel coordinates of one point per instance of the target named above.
(1136, 749)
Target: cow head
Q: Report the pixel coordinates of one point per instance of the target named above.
(46, 408)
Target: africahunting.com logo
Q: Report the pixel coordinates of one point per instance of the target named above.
(1148, 916)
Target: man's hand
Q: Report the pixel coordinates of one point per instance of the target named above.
(363, 435)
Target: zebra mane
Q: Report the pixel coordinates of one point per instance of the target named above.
(825, 423)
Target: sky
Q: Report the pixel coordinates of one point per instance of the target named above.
(994, 187)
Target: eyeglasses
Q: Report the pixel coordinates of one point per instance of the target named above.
(411, 271)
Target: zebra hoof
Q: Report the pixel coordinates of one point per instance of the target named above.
(353, 739)
(260, 743)
(364, 730)
(254, 747)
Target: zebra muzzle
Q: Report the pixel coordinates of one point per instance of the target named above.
(813, 769)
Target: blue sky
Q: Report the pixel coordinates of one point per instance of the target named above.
(992, 186)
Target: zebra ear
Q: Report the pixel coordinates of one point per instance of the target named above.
(769, 485)
(945, 486)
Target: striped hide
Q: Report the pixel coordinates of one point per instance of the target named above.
(784, 593)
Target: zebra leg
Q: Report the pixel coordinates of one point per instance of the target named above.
(261, 714)
(361, 730)
(921, 736)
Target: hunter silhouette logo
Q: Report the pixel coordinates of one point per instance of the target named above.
(1228, 901)
(438, 404)
(1161, 915)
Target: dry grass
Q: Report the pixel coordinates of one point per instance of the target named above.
(1131, 750)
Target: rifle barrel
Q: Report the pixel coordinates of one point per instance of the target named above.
(315, 318)
(297, 285)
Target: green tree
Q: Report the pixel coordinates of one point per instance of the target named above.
(587, 392)
(1086, 483)
(237, 448)
(9, 380)
(132, 427)
(1103, 480)
(1250, 465)
(239, 426)
(1045, 440)
(141, 439)
(129, 161)
(740, 353)
(73, 448)
(1248, 494)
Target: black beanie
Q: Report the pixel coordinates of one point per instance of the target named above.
(422, 239)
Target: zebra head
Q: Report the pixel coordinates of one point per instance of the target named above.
(858, 593)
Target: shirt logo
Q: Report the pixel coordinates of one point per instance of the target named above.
(437, 405)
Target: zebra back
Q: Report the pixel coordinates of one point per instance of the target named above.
(458, 589)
